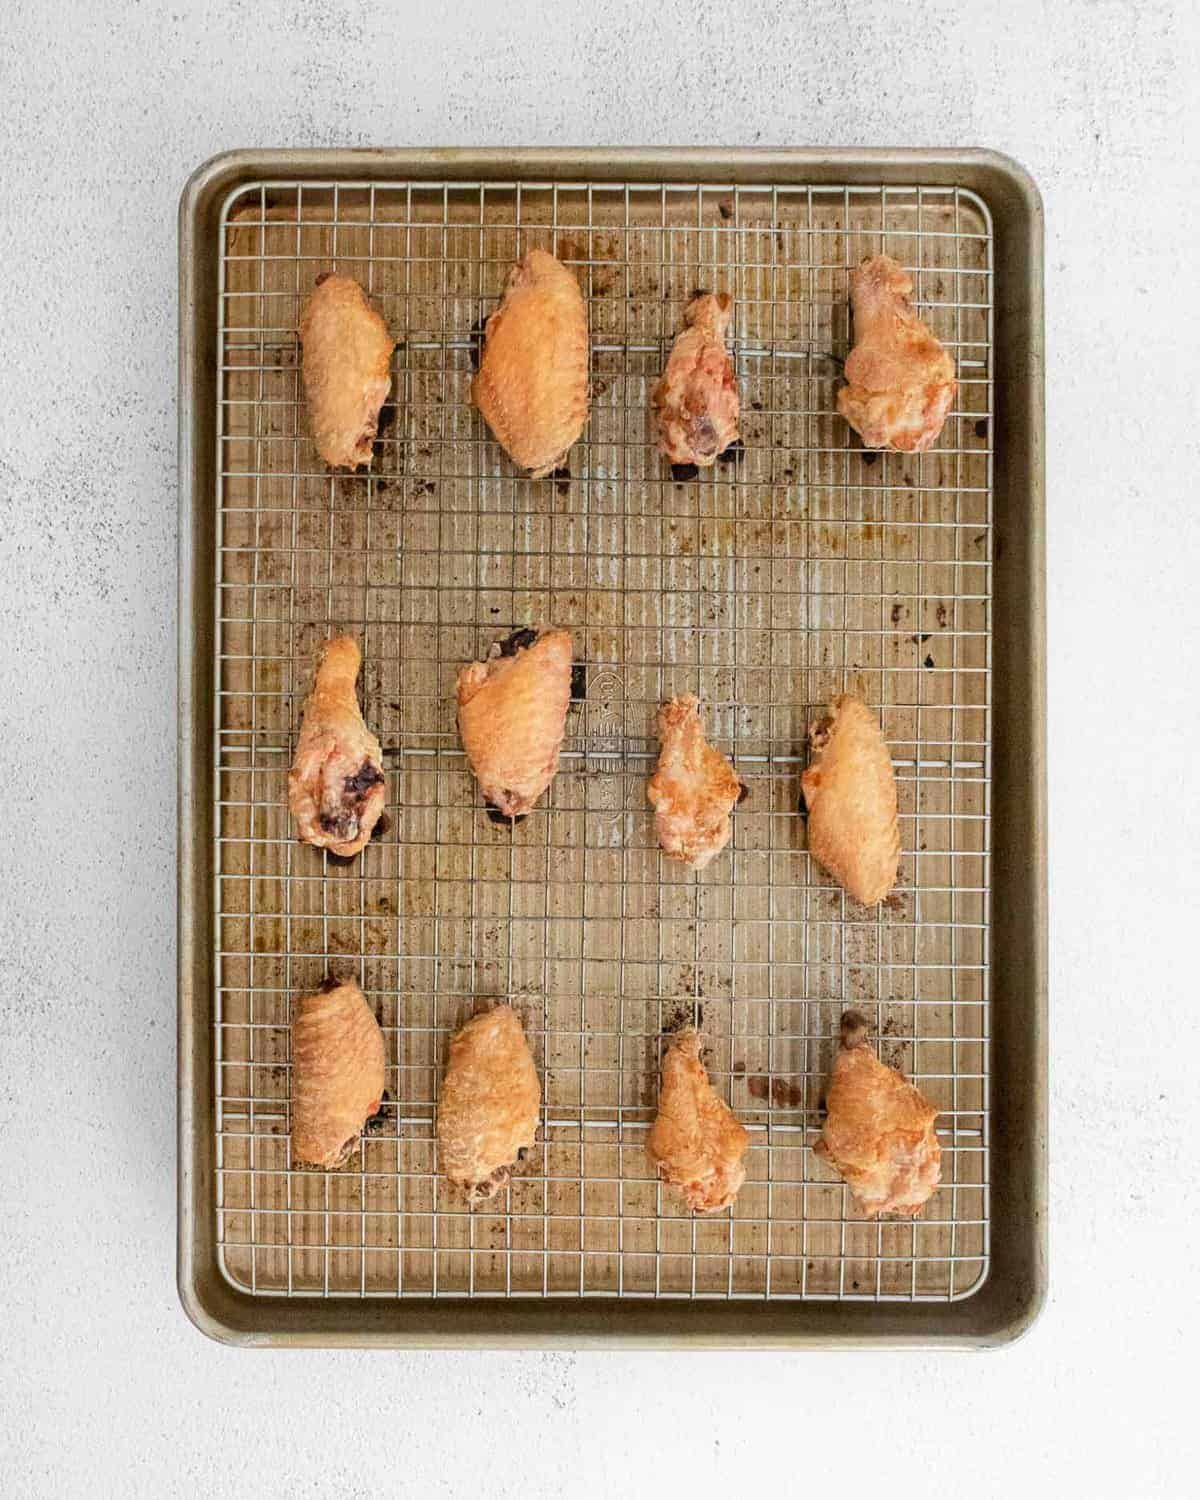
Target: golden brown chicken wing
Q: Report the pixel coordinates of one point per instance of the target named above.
(488, 1110)
(337, 1073)
(696, 401)
(336, 784)
(532, 385)
(694, 787)
(900, 380)
(879, 1133)
(512, 711)
(850, 792)
(347, 369)
(696, 1142)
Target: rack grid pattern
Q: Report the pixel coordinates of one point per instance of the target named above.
(797, 567)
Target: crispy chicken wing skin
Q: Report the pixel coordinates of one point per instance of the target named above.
(696, 1142)
(696, 402)
(488, 1109)
(900, 380)
(336, 785)
(850, 792)
(694, 787)
(879, 1131)
(532, 385)
(512, 711)
(347, 369)
(337, 1073)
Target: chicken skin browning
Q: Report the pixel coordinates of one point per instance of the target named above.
(488, 1110)
(336, 785)
(337, 1073)
(347, 361)
(900, 380)
(696, 402)
(696, 1142)
(879, 1134)
(512, 711)
(850, 792)
(694, 787)
(532, 385)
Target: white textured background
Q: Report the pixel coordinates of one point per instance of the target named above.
(105, 108)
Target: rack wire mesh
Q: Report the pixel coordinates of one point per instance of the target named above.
(800, 566)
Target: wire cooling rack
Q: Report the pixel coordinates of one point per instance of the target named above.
(798, 567)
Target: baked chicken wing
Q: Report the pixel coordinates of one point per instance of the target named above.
(488, 1109)
(878, 1134)
(850, 792)
(696, 1142)
(694, 787)
(512, 711)
(347, 357)
(696, 402)
(900, 380)
(336, 784)
(337, 1073)
(532, 385)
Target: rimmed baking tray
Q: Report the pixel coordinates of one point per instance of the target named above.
(798, 567)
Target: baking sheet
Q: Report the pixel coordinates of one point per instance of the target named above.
(801, 567)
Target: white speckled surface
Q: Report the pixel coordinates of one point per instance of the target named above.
(104, 1386)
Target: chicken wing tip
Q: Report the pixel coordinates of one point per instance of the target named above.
(886, 270)
(838, 704)
(853, 1029)
(848, 698)
(676, 710)
(493, 1010)
(700, 297)
(687, 1038)
(340, 645)
(333, 982)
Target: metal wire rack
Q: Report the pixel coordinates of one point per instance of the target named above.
(801, 566)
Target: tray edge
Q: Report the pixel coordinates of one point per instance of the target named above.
(999, 1311)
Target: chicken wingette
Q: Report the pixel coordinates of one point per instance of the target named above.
(696, 1142)
(488, 1107)
(850, 792)
(512, 712)
(532, 385)
(346, 362)
(337, 1073)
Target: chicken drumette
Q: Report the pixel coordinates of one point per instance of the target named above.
(512, 711)
(488, 1109)
(900, 381)
(696, 401)
(879, 1131)
(694, 787)
(532, 385)
(347, 369)
(696, 1142)
(336, 784)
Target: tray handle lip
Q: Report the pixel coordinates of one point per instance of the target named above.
(231, 168)
(1014, 173)
(232, 1326)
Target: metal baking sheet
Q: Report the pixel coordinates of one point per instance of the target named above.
(800, 567)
